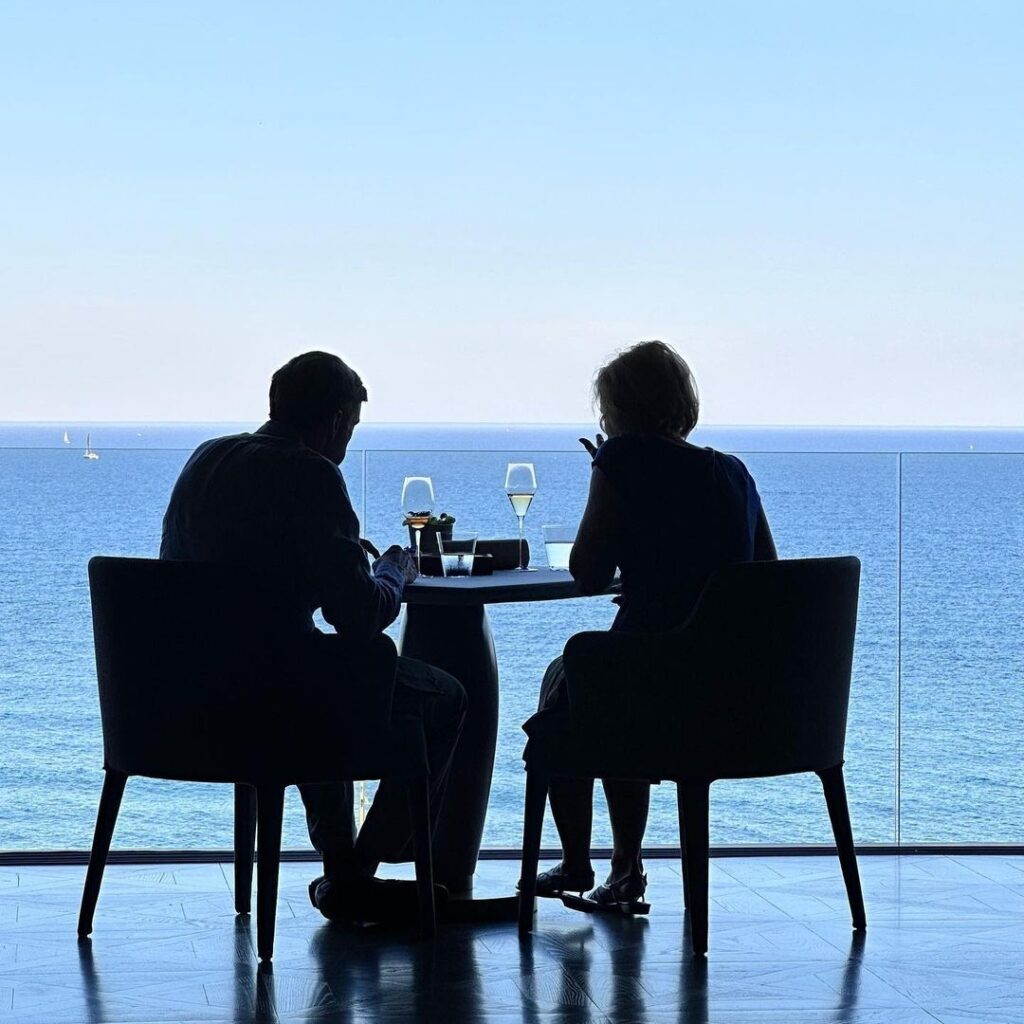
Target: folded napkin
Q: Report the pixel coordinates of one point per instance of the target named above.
(504, 553)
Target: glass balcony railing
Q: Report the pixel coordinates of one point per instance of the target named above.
(961, 680)
(938, 693)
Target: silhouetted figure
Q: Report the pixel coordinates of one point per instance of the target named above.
(275, 501)
(666, 514)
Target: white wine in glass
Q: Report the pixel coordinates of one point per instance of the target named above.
(520, 486)
(418, 506)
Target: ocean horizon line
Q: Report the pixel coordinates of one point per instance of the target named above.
(462, 424)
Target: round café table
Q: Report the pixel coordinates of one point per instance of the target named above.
(446, 625)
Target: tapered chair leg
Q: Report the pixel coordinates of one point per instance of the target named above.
(418, 797)
(106, 819)
(692, 797)
(682, 851)
(839, 813)
(533, 824)
(245, 846)
(269, 811)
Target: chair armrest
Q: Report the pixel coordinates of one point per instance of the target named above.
(371, 684)
(352, 685)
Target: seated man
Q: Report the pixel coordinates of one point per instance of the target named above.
(276, 501)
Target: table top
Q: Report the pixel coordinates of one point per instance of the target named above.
(503, 587)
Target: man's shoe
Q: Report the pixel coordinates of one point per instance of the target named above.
(370, 900)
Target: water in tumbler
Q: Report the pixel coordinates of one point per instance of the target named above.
(558, 552)
(459, 563)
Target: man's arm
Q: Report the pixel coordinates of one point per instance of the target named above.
(357, 602)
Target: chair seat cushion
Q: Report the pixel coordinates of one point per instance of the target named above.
(555, 747)
(320, 751)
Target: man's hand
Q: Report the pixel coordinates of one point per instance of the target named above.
(592, 446)
(401, 557)
(368, 547)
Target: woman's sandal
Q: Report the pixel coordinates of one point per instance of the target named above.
(622, 897)
(555, 882)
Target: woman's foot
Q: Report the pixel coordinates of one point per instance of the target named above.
(623, 896)
(557, 880)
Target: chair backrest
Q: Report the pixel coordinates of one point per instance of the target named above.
(758, 680)
(196, 679)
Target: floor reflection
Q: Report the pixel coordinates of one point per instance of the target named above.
(91, 989)
(602, 959)
(601, 968)
(169, 948)
(595, 971)
(254, 1000)
(850, 991)
(693, 981)
(551, 966)
(605, 959)
(370, 971)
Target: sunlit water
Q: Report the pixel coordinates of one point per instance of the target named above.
(939, 668)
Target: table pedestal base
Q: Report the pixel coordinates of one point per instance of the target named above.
(458, 640)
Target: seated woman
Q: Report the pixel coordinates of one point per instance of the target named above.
(667, 514)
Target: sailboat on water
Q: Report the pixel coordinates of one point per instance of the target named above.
(67, 440)
(89, 453)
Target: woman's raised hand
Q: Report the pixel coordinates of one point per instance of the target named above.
(592, 446)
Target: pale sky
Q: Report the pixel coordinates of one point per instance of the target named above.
(819, 203)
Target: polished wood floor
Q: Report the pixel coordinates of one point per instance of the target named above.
(945, 943)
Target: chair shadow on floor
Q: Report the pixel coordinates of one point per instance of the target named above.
(255, 1000)
(91, 989)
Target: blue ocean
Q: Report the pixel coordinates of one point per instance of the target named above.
(936, 729)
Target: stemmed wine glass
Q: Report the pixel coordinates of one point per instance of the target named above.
(520, 486)
(417, 504)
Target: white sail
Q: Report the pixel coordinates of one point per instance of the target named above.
(67, 440)
(89, 453)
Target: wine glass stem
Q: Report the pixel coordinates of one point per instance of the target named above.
(521, 566)
(419, 567)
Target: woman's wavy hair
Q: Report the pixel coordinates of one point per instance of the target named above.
(647, 389)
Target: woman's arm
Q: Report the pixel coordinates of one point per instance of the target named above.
(764, 542)
(592, 562)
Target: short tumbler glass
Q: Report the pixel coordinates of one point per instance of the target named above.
(457, 553)
(558, 541)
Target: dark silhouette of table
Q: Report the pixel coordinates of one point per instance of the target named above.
(446, 625)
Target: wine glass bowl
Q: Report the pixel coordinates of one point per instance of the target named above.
(418, 506)
(520, 487)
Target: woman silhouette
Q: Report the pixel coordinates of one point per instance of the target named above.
(666, 514)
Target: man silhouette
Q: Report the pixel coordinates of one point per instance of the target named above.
(275, 501)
